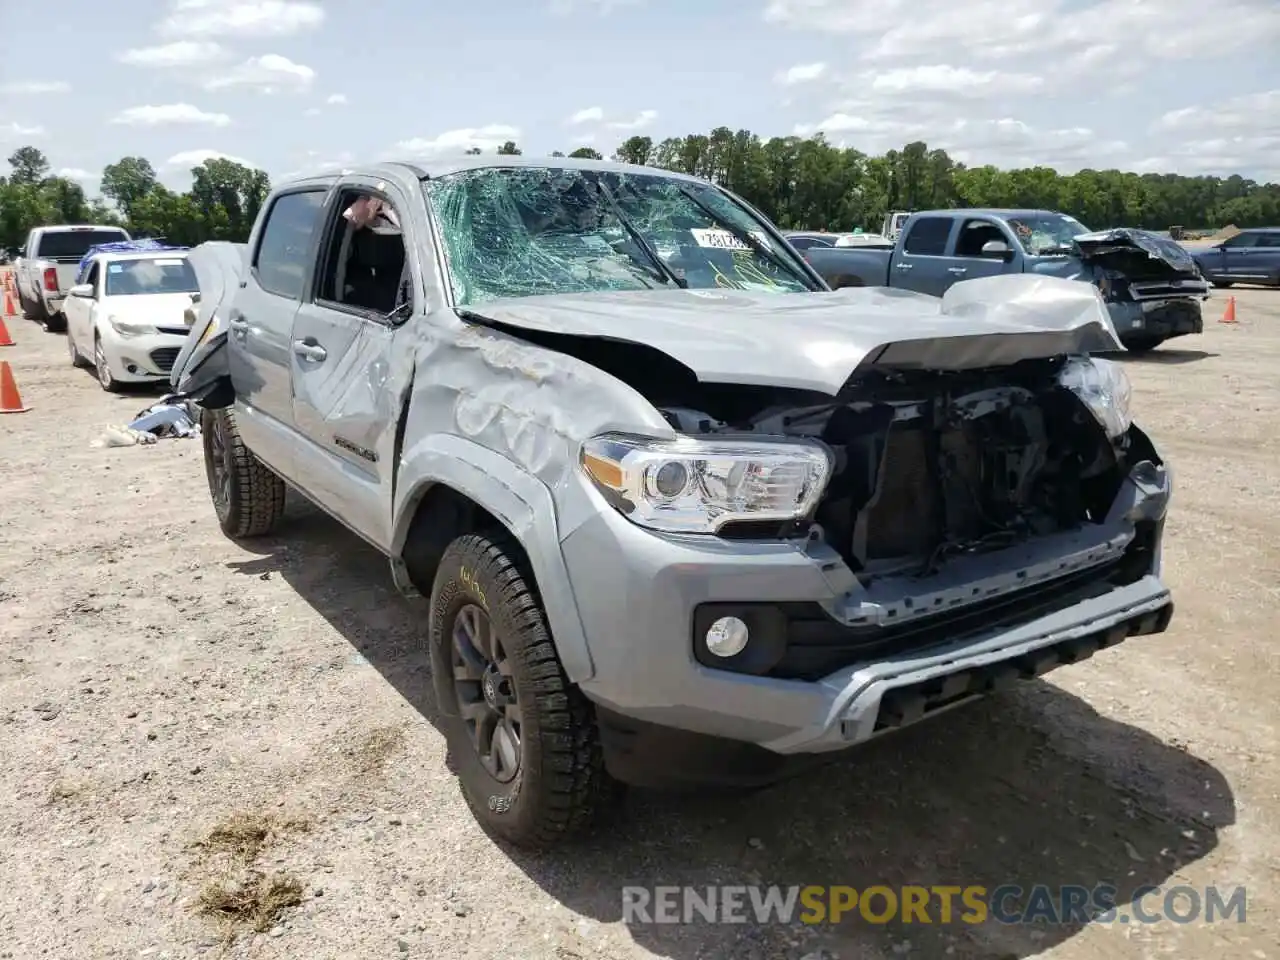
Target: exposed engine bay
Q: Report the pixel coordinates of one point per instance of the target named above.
(929, 466)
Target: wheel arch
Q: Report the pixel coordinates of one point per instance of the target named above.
(450, 486)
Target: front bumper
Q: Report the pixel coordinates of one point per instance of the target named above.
(1156, 319)
(141, 359)
(642, 617)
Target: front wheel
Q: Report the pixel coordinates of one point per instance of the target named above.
(102, 368)
(524, 739)
(247, 496)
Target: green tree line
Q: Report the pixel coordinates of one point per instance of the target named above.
(800, 183)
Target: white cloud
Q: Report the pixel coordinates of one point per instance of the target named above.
(643, 119)
(602, 7)
(169, 113)
(75, 173)
(181, 53)
(23, 87)
(244, 18)
(15, 129)
(193, 158)
(1257, 114)
(487, 138)
(587, 115)
(336, 99)
(801, 73)
(1168, 29)
(943, 80)
(269, 72)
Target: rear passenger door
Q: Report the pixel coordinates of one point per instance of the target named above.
(921, 262)
(260, 322)
(343, 359)
(1266, 256)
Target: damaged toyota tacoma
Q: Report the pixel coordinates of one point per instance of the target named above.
(684, 514)
(1153, 287)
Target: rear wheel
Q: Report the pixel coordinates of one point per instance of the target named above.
(1222, 284)
(248, 497)
(53, 322)
(524, 739)
(1142, 345)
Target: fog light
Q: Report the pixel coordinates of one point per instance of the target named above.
(727, 637)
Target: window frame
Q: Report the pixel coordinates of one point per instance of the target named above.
(946, 240)
(324, 190)
(333, 228)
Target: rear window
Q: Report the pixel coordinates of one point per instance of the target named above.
(928, 237)
(127, 278)
(73, 244)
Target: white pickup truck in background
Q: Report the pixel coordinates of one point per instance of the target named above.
(46, 269)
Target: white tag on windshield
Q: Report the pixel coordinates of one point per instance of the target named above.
(724, 240)
(176, 262)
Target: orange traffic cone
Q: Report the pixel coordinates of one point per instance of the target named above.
(5, 339)
(9, 310)
(10, 399)
(1229, 314)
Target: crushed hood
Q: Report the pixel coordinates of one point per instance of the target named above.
(1120, 246)
(817, 341)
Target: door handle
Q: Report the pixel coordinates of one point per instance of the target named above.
(904, 266)
(309, 350)
(236, 321)
(957, 270)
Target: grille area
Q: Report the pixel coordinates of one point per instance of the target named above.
(164, 357)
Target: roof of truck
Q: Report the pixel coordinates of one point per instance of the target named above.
(990, 212)
(443, 165)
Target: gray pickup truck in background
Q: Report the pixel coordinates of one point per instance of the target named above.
(46, 270)
(1153, 288)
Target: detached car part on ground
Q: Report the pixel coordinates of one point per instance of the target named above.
(683, 514)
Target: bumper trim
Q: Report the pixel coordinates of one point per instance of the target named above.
(856, 710)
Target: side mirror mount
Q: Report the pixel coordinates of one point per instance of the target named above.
(997, 250)
(83, 290)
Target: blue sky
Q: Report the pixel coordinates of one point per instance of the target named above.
(289, 85)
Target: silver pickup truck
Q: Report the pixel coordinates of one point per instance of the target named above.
(684, 514)
(46, 270)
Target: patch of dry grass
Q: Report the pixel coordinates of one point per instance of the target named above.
(244, 834)
(257, 901)
(374, 748)
(233, 893)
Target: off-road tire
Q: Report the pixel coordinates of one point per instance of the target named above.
(53, 322)
(561, 788)
(1223, 285)
(255, 496)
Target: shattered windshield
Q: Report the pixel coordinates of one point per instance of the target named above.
(530, 231)
(1046, 233)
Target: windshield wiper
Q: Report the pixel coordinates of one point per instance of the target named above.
(664, 272)
(745, 236)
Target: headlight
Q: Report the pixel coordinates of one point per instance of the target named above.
(697, 486)
(127, 328)
(1104, 387)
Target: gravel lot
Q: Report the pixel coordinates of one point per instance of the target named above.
(175, 708)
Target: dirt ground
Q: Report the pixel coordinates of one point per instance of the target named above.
(176, 709)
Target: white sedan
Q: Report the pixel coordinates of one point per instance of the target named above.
(128, 317)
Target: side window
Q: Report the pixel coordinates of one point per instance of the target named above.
(974, 234)
(363, 265)
(1241, 240)
(803, 243)
(928, 237)
(285, 247)
(1269, 240)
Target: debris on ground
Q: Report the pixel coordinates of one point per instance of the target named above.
(172, 416)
